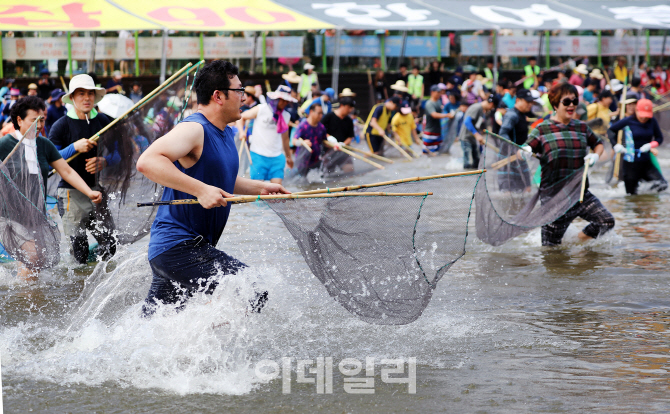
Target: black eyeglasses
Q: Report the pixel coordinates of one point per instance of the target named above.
(240, 91)
(568, 101)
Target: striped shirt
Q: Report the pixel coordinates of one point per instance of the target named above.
(562, 148)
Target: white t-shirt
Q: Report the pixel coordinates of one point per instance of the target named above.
(265, 140)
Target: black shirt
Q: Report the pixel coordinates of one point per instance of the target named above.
(46, 154)
(66, 131)
(338, 127)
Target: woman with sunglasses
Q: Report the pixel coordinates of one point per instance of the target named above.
(562, 144)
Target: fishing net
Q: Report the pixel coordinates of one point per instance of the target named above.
(510, 201)
(662, 113)
(27, 232)
(381, 257)
(329, 166)
(121, 145)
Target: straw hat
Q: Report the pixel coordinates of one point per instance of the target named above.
(83, 82)
(596, 74)
(581, 68)
(292, 77)
(282, 92)
(346, 92)
(32, 86)
(250, 90)
(400, 86)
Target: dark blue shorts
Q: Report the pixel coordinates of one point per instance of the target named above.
(189, 267)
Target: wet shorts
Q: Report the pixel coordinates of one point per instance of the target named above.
(267, 168)
(189, 267)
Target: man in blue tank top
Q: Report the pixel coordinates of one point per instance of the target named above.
(198, 160)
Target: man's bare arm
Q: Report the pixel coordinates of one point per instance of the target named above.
(184, 144)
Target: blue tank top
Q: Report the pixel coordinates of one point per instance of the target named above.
(217, 166)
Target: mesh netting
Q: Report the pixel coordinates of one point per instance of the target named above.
(662, 114)
(510, 200)
(381, 257)
(26, 231)
(330, 166)
(120, 182)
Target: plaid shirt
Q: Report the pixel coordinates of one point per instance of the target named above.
(562, 148)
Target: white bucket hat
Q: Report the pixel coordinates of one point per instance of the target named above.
(616, 85)
(282, 92)
(83, 82)
(308, 66)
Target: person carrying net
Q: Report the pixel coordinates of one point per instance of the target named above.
(70, 135)
(312, 132)
(515, 128)
(562, 144)
(197, 159)
(37, 156)
(642, 135)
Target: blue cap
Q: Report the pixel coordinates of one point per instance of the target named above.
(330, 92)
(56, 94)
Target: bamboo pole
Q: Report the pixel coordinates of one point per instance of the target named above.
(619, 139)
(368, 154)
(392, 182)
(303, 144)
(251, 199)
(140, 103)
(18, 144)
(62, 81)
(584, 177)
(396, 146)
(354, 155)
(663, 106)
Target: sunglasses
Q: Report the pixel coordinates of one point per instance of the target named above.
(568, 101)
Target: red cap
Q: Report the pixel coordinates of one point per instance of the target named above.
(645, 108)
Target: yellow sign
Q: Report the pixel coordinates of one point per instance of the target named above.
(67, 15)
(217, 15)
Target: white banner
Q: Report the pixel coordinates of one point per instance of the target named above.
(40, 48)
(561, 45)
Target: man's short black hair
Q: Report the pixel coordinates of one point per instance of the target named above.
(403, 65)
(417, 68)
(532, 58)
(216, 75)
(314, 106)
(606, 94)
(23, 105)
(347, 101)
(635, 82)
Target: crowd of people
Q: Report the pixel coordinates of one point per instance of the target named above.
(302, 127)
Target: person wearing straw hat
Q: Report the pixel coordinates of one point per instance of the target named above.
(578, 76)
(198, 160)
(76, 209)
(307, 79)
(32, 90)
(270, 136)
(291, 77)
(346, 92)
(642, 135)
(400, 89)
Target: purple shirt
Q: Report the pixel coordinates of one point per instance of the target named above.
(315, 135)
